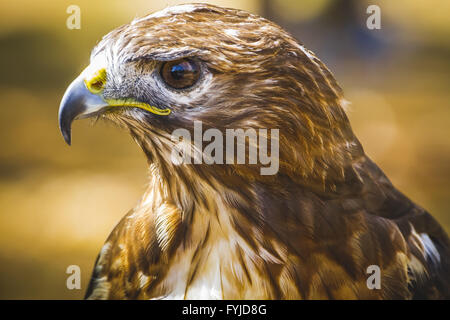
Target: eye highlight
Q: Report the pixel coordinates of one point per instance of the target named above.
(180, 74)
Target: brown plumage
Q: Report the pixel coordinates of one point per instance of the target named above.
(224, 230)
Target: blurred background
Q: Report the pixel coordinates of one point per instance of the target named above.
(58, 204)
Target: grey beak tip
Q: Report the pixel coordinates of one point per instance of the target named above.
(65, 129)
(67, 138)
(72, 105)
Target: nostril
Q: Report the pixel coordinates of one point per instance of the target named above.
(96, 84)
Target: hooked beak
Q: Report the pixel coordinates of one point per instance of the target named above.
(84, 98)
(77, 102)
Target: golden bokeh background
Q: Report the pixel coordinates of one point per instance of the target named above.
(58, 204)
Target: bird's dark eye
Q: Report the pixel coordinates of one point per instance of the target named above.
(180, 74)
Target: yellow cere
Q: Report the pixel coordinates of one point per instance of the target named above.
(96, 84)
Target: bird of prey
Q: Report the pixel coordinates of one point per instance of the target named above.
(313, 230)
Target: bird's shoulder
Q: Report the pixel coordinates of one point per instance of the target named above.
(128, 260)
(427, 243)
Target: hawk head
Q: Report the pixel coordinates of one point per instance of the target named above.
(308, 231)
(223, 67)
